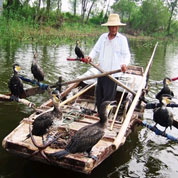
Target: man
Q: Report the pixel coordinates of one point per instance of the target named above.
(113, 52)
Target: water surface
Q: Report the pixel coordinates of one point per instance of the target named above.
(144, 154)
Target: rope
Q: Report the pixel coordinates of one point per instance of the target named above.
(34, 82)
(159, 132)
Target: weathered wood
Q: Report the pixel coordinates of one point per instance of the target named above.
(17, 143)
(121, 135)
(23, 101)
(117, 109)
(91, 77)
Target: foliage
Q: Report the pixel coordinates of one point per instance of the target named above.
(98, 19)
(125, 8)
(151, 11)
(23, 22)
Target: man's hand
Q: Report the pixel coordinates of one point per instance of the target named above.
(88, 59)
(123, 68)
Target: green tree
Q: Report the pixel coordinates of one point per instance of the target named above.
(74, 4)
(173, 8)
(125, 8)
(154, 16)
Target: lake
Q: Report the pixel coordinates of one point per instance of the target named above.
(144, 155)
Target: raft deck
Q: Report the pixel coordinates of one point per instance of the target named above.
(79, 111)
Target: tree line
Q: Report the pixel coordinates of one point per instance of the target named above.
(143, 17)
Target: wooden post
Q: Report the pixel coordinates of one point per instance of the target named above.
(121, 136)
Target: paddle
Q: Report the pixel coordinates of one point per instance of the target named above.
(101, 70)
(86, 78)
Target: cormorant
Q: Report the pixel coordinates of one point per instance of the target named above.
(45, 121)
(15, 84)
(86, 137)
(162, 115)
(165, 90)
(36, 70)
(78, 51)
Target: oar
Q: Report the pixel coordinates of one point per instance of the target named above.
(102, 71)
(86, 78)
(122, 132)
(115, 80)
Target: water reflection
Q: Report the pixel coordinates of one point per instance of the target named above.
(144, 154)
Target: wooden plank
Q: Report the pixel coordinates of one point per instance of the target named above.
(121, 135)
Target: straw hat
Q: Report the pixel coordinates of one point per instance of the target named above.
(113, 20)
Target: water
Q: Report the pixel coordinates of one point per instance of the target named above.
(144, 153)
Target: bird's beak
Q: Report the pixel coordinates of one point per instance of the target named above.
(17, 68)
(168, 82)
(56, 99)
(166, 100)
(110, 106)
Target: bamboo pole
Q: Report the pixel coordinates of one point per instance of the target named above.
(115, 115)
(70, 99)
(115, 80)
(77, 95)
(121, 136)
(88, 78)
(23, 101)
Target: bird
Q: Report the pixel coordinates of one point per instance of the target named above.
(44, 122)
(165, 90)
(162, 115)
(88, 136)
(15, 84)
(78, 51)
(36, 70)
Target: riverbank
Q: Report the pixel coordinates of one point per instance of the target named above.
(67, 33)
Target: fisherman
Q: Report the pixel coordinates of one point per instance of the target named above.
(113, 51)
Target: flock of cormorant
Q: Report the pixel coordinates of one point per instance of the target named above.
(85, 138)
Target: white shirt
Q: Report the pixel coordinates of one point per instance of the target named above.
(112, 53)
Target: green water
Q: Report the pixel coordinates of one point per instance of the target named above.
(144, 154)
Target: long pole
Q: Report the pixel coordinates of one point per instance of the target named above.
(115, 80)
(121, 136)
(91, 77)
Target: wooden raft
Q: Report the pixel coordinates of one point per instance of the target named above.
(15, 142)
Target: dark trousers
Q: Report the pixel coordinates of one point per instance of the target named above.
(105, 90)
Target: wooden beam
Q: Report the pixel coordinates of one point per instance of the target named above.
(23, 101)
(121, 136)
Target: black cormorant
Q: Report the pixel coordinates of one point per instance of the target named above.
(15, 84)
(162, 115)
(86, 137)
(43, 122)
(165, 90)
(78, 51)
(36, 70)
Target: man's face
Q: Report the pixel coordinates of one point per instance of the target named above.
(113, 30)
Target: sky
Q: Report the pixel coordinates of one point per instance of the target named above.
(66, 6)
